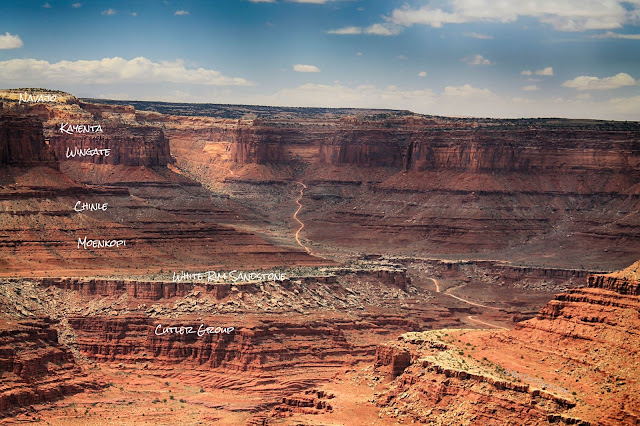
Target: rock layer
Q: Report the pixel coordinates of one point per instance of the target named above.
(493, 189)
(573, 363)
(35, 368)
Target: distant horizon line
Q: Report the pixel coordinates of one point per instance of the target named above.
(464, 117)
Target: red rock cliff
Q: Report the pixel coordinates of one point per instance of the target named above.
(22, 141)
(574, 363)
(34, 367)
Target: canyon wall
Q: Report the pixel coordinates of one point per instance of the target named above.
(499, 189)
(414, 145)
(129, 145)
(35, 368)
(22, 142)
(41, 228)
(573, 363)
(254, 348)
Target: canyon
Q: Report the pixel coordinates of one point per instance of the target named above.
(429, 269)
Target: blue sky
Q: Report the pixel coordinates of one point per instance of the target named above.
(509, 58)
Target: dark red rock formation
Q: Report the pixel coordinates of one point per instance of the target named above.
(22, 142)
(447, 145)
(622, 285)
(251, 346)
(34, 367)
(129, 145)
(312, 401)
(395, 358)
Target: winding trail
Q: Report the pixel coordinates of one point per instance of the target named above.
(470, 317)
(437, 284)
(295, 216)
(435, 281)
(468, 302)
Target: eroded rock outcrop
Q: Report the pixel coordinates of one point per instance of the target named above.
(35, 368)
(574, 363)
(22, 142)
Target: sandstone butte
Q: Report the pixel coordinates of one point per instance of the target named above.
(417, 231)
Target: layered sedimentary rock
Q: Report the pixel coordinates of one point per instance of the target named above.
(131, 339)
(128, 146)
(22, 142)
(415, 144)
(161, 217)
(573, 363)
(498, 189)
(157, 290)
(100, 127)
(35, 368)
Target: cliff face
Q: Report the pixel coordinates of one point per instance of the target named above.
(129, 145)
(22, 142)
(423, 145)
(34, 367)
(134, 339)
(575, 363)
(506, 189)
(41, 228)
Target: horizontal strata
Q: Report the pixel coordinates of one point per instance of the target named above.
(579, 354)
(35, 367)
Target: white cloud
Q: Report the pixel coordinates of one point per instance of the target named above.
(545, 71)
(9, 41)
(402, 57)
(584, 82)
(477, 60)
(110, 71)
(346, 31)
(134, 13)
(47, 5)
(479, 36)
(359, 54)
(383, 29)
(386, 29)
(530, 88)
(422, 74)
(610, 34)
(262, 1)
(338, 95)
(305, 68)
(426, 16)
(76, 5)
(108, 12)
(567, 15)
(182, 13)
(467, 91)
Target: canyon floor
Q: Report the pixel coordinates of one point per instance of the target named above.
(431, 270)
